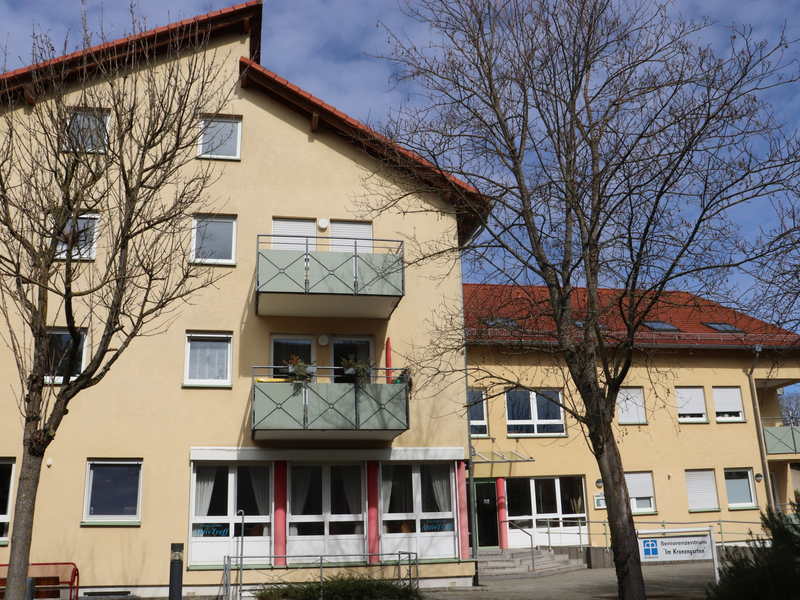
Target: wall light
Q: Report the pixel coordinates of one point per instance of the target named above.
(759, 477)
(599, 483)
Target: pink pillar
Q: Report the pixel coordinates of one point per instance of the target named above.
(502, 512)
(463, 512)
(279, 518)
(374, 539)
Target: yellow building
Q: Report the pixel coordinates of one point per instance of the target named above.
(275, 417)
(687, 422)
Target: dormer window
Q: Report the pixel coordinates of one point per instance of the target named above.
(660, 326)
(582, 324)
(507, 322)
(723, 327)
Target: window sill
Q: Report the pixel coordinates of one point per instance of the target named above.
(537, 435)
(213, 386)
(703, 510)
(635, 424)
(644, 513)
(693, 422)
(731, 421)
(212, 263)
(111, 523)
(228, 158)
(3, 543)
(754, 507)
(480, 436)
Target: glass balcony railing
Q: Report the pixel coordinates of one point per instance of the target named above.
(329, 403)
(780, 438)
(297, 276)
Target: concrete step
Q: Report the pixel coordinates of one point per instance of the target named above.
(516, 564)
(544, 573)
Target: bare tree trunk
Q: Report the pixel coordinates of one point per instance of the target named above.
(620, 518)
(22, 531)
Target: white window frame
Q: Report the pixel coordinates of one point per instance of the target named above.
(485, 421)
(5, 519)
(56, 379)
(216, 336)
(220, 119)
(687, 418)
(88, 252)
(327, 517)
(416, 496)
(640, 487)
(558, 517)
(701, 478)
(534, 420)
(752, 503)
(728, 398)
(219, 219)
(632, 399)
(231, 518)
(106, 116)
(87, 517)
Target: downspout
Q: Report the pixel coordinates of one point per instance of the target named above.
(760, 430)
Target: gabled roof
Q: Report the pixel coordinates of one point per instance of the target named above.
(455, 191)
(511, 314)
(242, 18)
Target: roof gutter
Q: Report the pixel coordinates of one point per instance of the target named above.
(760, 430)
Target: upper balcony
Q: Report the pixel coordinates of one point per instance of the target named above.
(329, 404)
(780, 438)
(328, 277)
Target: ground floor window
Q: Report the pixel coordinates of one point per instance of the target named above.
(326, 500)
(221, 491)
(113, 490)
(547, 502)
(6, 481)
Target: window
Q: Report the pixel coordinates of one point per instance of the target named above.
(221, 491)
(553, 502)
(723, 327)
(728, 403)
(6, 481)
(691, 403)
(630, 406)
(434, 500)
(208, 359)
(535, 413)
(113, 491)
(285, 346)
(358, 349)
(739, 486)
(640, 490)
(294, 234)
(214, 240)
(87, 131)
(79, 238)
(326, 500)
(221, 138)
(660, 326)
(701, 489)
(476, 410)
(60, 354)
(351, 237)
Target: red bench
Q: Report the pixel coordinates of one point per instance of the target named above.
(51, 579)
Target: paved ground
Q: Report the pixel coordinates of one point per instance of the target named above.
(663, 582)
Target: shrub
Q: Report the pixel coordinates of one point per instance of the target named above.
(340, 587)
(769, 569)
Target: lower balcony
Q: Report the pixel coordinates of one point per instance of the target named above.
(780, 438)
(329, 407)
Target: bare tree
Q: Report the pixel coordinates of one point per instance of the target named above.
(790, 408)
(98, 184)
(616, 152)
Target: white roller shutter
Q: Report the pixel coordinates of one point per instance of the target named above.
(728, 402)
(299, 232)
(640, 485)
(630, 406)
(701, 489)
(691, 403)
(355, 233)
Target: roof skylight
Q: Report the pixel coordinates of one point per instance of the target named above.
(723, 327)
(660, 326)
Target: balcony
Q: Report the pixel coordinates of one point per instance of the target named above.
(780, 438)
(321, 408)
(328, 277)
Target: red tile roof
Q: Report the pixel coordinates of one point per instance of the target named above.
(242, 17)
(511, 314)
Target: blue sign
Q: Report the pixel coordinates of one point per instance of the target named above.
(650, 548)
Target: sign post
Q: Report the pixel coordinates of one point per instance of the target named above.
(691, 543)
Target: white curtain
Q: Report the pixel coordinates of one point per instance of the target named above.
(351, 480)
(301, 481)
(204, 487)
(387, 486)
(440, 481)
(259, 477)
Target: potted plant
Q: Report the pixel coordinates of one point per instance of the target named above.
(300, 369)
(361, 370)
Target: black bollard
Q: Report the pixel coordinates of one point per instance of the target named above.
(176, 572)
